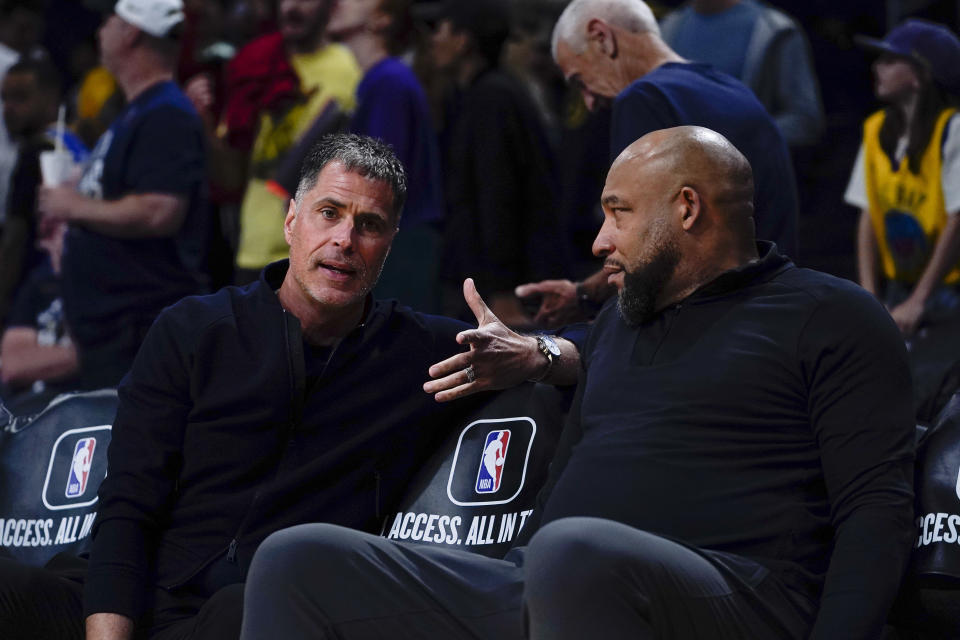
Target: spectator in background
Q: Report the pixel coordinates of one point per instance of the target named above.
(612, 51)
(21, 25)
(138, 223)
(391, 106)
(31, 94)
(526, 55)
(906, 178)
(503, 226)
(276, 88)
(763, 47)
(38, 359)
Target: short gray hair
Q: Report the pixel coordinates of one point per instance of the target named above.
(633, 15)
(369, 157)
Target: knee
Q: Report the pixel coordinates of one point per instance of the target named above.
(302, 552)
(568, 556)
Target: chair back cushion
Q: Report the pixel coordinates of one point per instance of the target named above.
(937, 487)
(51, 466)
(479, 489)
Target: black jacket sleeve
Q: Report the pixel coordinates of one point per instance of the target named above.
(860, 405)
(143, 460)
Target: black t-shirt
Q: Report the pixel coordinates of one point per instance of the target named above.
(315, 360)
(39, 306)
(23, 195)
(502, 226)
(111, 284)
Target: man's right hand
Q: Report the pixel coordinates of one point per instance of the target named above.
(109, 626)
(558, 304)
(498, 358)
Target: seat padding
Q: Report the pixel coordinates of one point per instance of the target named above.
(51, 466)
(478, 490)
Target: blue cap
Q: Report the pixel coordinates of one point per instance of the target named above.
(931, 45)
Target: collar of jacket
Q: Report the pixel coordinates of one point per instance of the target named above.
(768, 265)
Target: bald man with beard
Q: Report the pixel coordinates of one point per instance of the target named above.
(737, 461)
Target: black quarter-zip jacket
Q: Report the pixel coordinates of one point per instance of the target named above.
(769, 416)
(212, 450)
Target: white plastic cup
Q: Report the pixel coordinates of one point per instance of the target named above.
(56, 167)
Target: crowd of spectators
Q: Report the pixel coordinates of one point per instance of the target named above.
(505, 161)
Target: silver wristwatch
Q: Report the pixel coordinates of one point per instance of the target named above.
(551, 351)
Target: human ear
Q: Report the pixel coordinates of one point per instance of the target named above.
(290, 220)
(690, 205)
(601, 37)
(131, 35)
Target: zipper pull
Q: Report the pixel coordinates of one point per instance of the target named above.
(232, 552)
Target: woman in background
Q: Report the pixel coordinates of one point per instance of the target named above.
(906, 179)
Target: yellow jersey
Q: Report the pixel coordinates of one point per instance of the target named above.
(907, 209)
(330, 73)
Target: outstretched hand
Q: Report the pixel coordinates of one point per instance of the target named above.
(558, 302)
(500, 357)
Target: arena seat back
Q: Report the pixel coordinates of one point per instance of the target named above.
(928, 605)
(937, 487)
(478, 490)
(51, 465)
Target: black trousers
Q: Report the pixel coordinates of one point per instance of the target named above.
(578, 578)
(47, 603)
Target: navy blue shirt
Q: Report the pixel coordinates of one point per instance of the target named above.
(391, 106)
(677, 94)
(114, 285)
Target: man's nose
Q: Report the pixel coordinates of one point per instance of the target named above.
(589, 100)
(602, 245)
(343, 234)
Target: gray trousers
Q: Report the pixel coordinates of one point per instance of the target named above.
(578, 578)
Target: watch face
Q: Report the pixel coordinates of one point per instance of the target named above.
(551, 345)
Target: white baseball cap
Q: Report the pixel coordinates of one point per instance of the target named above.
(156, 17)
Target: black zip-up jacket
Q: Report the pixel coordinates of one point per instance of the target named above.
(212, 451)
(771, 420)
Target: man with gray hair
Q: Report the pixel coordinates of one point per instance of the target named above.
(294, 399)
(611, 50)
(737, 462)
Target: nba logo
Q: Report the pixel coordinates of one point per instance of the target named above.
(491, 461)
(80, 467)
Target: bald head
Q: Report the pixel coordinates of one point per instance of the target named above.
(702, 160)
(631, 15)
(678, 211)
